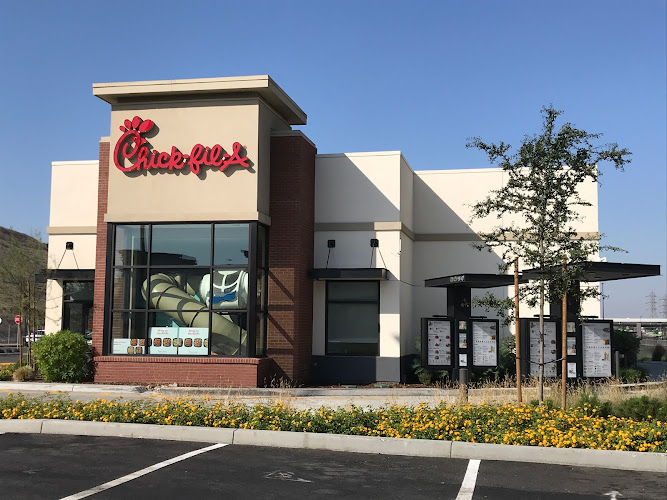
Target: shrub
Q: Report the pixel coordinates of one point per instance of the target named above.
(642, 408)
(23, 374)
(658, 353)
(63, 357)
(627, 343)
(7, 370)
(634, 375)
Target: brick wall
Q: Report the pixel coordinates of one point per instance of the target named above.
(101, 249)
(207, 372)
(292, 212)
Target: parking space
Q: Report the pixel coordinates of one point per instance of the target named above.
(43, 466)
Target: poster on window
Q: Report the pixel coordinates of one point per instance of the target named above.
(439, 343)
(484, 343)
(193, 341)
(121, 346)
(596, 344)
(550, 350)
(163, 340)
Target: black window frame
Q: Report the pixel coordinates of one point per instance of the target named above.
(251, 310)
(326, 315)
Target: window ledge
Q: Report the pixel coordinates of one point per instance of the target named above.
(224, 360)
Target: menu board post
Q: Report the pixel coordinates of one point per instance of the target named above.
(484, 335)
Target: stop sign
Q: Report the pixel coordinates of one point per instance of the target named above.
(17, 319)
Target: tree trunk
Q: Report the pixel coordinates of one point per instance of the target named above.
(540, 373)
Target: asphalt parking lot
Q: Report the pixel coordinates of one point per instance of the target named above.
(50, 466)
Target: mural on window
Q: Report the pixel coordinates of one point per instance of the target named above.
(194, 293)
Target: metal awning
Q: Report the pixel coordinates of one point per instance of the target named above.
(69, 274)
(349, 274)
(473, 280)
(606, 271)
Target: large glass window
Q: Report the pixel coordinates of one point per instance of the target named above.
(353, 318)
(187, 289)
(78, 307)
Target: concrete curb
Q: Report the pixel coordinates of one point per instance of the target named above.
(63, 387)
(619, 460)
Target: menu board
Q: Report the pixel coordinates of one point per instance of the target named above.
(463, 341)
(439, 342)
(596, 342)
(571, 346)
(550, 350)
(193, 341)
(163, 340)
(484, 343)
(572, 370)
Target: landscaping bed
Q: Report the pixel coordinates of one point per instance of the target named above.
(586, 425)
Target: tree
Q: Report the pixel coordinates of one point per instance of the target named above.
(538, 207)
(22, 258)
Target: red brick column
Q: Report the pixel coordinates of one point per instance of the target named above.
(290, 294)
(101, 249)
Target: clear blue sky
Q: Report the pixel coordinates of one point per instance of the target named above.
(416, 76)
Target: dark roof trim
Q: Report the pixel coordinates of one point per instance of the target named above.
(607, 271)
(473, 280)
(350, 274)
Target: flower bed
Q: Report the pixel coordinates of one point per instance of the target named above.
(507, 424)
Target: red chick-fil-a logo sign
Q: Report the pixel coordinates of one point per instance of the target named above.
(133, 146)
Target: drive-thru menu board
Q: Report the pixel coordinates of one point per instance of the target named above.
(439, 335)
(550, 348)
(484, 343)
(596, 342)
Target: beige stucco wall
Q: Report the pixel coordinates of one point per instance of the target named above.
(68, 177)
(157, 195)
(53, 311)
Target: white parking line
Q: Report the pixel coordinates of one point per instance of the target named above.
(142, 472)
(468, 485)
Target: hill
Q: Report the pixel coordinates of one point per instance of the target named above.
(21, 256)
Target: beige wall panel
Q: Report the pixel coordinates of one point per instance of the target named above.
(53, 313)
(390, 321)
(147, 194)
(319, 317)
(442, 199)
(68, 177)
(358, 187)
(269, 122)
(81, 257)
(407, 194)
(353, 250)
(409, 324)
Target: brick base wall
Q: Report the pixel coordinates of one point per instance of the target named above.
(206, 372)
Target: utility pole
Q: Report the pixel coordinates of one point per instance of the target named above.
(651, 305)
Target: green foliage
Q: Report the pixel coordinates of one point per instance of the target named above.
(634, 375)
(642, 408)
(425, 375)
(658, 353)
(627, 343)
(7, 370)
(537, 209)
(63, 357)
(591, 404)
(23, 374)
